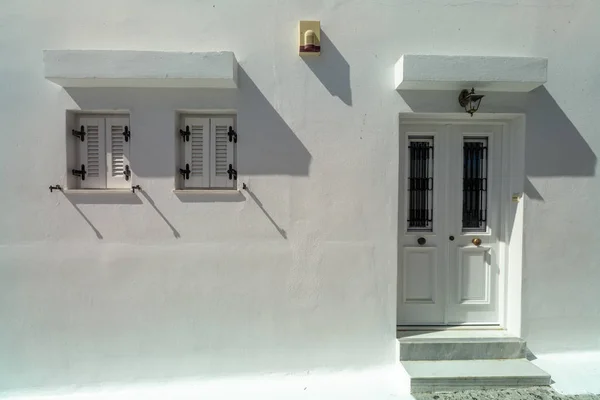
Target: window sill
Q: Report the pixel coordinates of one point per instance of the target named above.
(209, 195)
(102, 196)
(207, 191)
(97, 191)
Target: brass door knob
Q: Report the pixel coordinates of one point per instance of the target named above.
(476, 241)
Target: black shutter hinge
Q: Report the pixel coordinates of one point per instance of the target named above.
(232, 136)
(185, 172)
(232, 173)
(136, 187)
(127, 172)
(127, 133)
(80, 172)
(80, 134)
(185, 134)
(55, 187)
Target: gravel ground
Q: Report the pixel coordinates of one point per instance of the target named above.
(538, 393)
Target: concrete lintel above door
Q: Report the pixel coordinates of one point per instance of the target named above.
(493, 73)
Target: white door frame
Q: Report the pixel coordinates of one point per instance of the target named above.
(511, 207)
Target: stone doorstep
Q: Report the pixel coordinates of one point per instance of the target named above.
(460, 345)
(434, 376)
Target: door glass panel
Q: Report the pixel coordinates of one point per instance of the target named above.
(475, 184)
(420, 184)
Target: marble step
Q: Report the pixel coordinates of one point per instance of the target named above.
(440, 376)
(445, 345)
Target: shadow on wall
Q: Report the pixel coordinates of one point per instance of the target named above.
(86, 219)
(160, 214)
(267, 145)
(271, 147)
(554, 146)
(332, 69)
(260, 205)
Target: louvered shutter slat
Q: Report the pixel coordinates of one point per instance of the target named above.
(221, 153)
(196, 152)
(91, 153)
(117, 153)
(117, 157)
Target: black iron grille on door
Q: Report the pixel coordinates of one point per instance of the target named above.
(475, 184)
(420, 184)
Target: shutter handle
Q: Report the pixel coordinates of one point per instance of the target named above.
(421, 241)
(127, 134)
(80, 172)
(186, 172)
(127, 173)
(80, 134)
(185, 134)
(232, 135)
(232, 173)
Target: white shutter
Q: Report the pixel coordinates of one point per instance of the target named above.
(196, 152)
(92, 153)
(221, 153)
(117, 155)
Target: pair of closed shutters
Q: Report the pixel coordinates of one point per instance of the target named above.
(104, 152)
(209, 153)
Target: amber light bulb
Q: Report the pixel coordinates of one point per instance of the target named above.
(309, 40)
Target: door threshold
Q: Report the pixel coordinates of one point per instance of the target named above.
(401, 328)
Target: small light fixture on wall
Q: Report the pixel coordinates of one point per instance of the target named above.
(470, 101)
(310, 38)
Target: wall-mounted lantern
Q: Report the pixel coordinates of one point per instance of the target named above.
(470, 101)
(310, 38)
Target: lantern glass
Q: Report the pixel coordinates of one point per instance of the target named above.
(470, 101)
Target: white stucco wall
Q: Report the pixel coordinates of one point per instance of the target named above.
(300, 276)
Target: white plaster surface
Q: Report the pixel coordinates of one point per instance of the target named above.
(573, 373)
(121, 68)
(489, 73)
(298, 275)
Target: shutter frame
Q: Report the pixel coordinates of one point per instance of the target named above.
(92, 152)
(117, 153)
(222, 153)
(196, 152)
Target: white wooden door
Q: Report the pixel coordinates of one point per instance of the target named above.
(449, 219)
